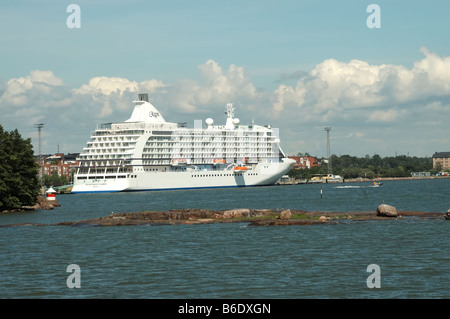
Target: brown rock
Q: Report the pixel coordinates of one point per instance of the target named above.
(236, 213)
(386, 210)
(285, 214)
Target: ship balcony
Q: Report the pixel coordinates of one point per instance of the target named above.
(116, 133)
(117, 156)
(109, 150)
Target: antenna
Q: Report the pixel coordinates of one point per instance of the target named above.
(230, 110)
(39, 126)
(328, 129)
(229, 125)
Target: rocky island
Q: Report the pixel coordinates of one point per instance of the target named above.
(253, 217)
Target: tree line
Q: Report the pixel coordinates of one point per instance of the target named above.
(369, 167)
(19, 182)
(54, 180)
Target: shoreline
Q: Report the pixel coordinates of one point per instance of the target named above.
(41, 203)
(378, 179)
(253, 217)
(360, 180)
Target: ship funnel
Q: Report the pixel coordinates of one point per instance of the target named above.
(143, 97)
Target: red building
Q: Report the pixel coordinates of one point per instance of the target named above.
(59, 163)
(305, 161)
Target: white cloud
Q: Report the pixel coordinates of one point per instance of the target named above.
(287, 94)
(353, 97)
(358, 96)
(383, 116)
(103, 85)
(218, 87)
(335, 87)
(344, 83)
(437, 70)
(112, 94)
(18, 91)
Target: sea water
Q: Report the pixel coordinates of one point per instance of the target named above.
(233, 260)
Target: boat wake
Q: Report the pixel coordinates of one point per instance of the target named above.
(350, 186)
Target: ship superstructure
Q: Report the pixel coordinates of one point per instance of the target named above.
(147, 153)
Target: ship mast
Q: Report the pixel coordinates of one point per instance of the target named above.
(230, 110)
(231, 121)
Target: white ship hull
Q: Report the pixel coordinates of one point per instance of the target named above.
(147, 153)
(262, 175)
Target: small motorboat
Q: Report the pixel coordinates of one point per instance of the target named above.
(376, 184)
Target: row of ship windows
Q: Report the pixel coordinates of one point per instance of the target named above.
(212, 140)
(219, 175)
(106, 151)
(133, 135)
(135, 176)
(212, 149)
(85, 156)
(102, 177)
(113, 140)
(112, 144)
(192, 162)
(218, 134)
(110, 153)
(199, 143)
(212, 144)
(121, 135)
(216, 141)
(211, 154)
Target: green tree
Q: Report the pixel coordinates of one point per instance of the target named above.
(19, 184)
(370, 167)
(55, 179)
(307, 173)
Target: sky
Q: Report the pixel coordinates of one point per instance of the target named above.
(380, 78)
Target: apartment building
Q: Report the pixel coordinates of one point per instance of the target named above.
(59, 163)
(305, 161)
(441, 160)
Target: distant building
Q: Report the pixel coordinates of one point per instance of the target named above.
(420, 174)
(441, 159)
(305, 161)
(62, 164)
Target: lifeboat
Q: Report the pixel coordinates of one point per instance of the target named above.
(179, 161)
(240, 169)
(218, 161)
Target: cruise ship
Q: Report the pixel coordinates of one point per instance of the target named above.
(147, 153)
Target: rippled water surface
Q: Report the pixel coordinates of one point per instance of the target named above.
(233, 260)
